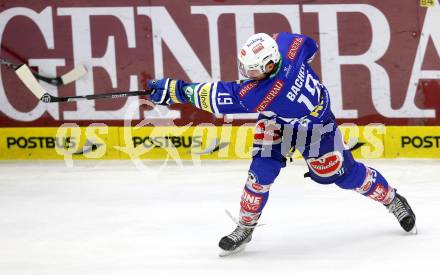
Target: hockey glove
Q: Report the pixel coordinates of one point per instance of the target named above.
(165, 91)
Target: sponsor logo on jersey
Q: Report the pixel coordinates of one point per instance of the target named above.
(420, 141)
(287, 70)
(254, 186)
(248, 218)
(172, 90)
(390, 196)
(294, 47)
(257, 48)
(205, 97)
(270, 96)
(251, 202)
(327, 165)
(257, 187)
(370, 178)
(243, 91)
(380, 193)
(267, 132)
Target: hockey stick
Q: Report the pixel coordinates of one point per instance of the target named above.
(25, 74)
(75, 74)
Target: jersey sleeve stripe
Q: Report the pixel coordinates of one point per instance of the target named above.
(196, 96)
(172, 89)
(214, 98)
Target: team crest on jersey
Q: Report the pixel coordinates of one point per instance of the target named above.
(243, 91)
(328, 165)
(294, 47)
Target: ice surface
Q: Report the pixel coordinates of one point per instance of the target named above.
(112, 218)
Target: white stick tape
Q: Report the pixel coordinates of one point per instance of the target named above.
(25, 74)
(75, 74)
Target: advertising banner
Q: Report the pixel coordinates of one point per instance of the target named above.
(379, 59)
(413, 142)
(196, 143)
(68, 142)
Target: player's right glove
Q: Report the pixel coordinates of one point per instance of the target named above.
(165, 91)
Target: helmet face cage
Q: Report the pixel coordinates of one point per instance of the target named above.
(258, 51)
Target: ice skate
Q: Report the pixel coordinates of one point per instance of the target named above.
(236, 241)
(404, 214)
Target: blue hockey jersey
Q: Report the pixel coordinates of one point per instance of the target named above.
(292, 92)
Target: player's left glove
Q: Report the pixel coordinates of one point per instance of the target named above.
(166, 91)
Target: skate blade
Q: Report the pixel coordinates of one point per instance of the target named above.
(414, 231)
(226, 253)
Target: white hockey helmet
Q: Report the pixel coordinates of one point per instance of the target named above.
(256, 53)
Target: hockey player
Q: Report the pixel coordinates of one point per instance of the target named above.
(294, 112)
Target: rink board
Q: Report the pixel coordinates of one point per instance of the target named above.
(199, 142)
(412, 142)
(59, 143)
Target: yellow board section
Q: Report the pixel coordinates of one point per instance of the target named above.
(199, 142)
(69, 142)
(365, 141)
(412, 142)
(203, 142)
